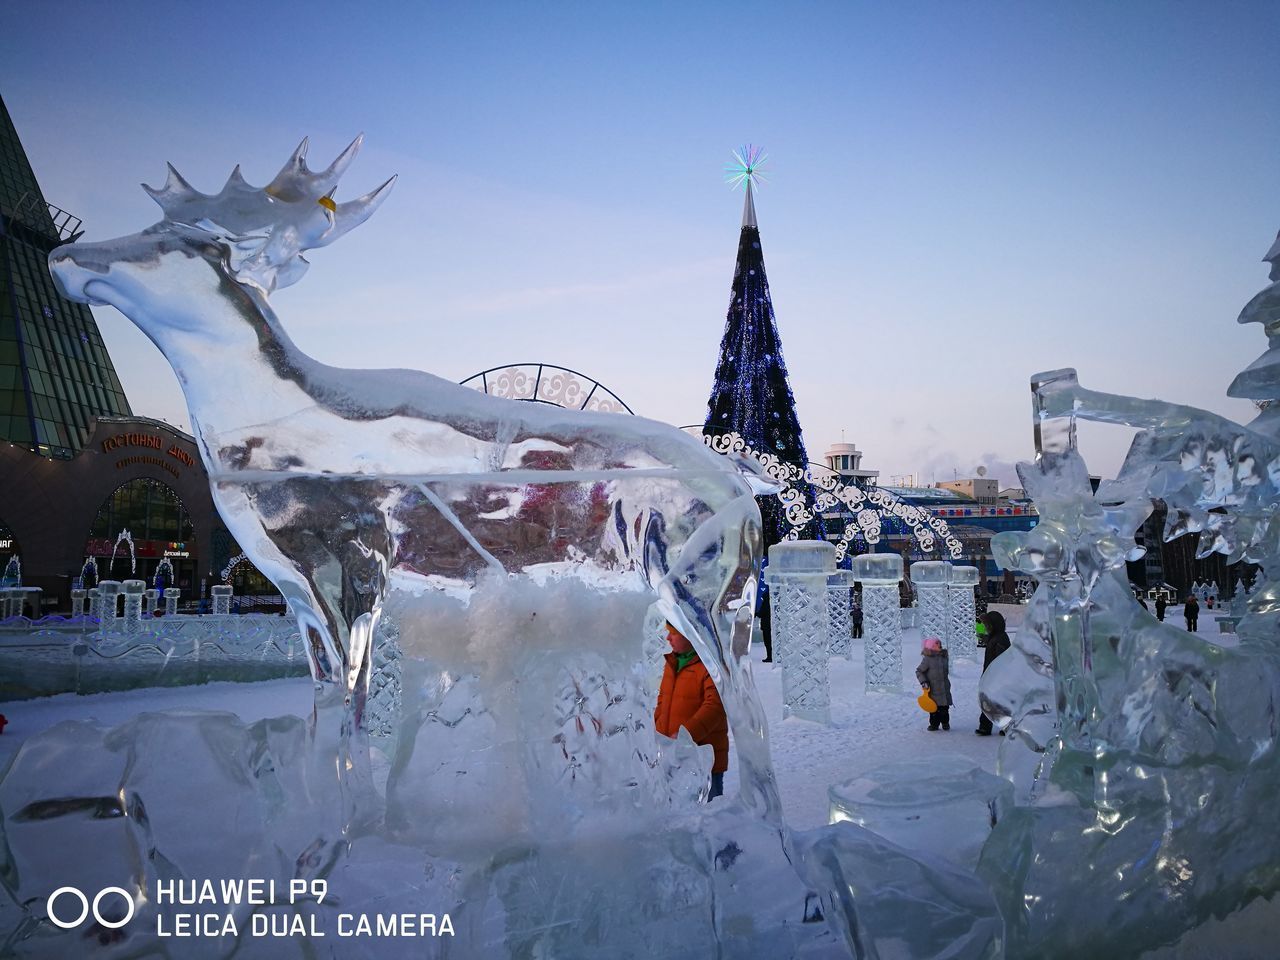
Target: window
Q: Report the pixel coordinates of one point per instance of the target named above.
(148, 509)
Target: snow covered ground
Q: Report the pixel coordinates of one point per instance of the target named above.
(865, 731)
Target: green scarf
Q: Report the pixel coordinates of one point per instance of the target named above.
(682, 659)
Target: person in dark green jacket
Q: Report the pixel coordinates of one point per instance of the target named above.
(997, 643)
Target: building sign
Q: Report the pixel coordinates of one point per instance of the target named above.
(132, 440)
(6, 544)
(953, 512)
(181, 455)
(148, 441)
(142, 549)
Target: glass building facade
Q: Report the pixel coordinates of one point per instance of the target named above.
(55, 373)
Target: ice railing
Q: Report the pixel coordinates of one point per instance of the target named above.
(74, 655)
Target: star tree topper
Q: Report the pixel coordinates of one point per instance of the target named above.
(745, 169)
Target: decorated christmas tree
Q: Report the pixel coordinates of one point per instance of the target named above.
(752, 394)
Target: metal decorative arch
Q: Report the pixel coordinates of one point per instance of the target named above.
(234, 562)
(869, 507)
(547, 383)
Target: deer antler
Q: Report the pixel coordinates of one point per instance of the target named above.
(267, 229)
(295, 181)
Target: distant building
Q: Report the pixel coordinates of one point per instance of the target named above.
(846, 460)
(974, 508)
(77, 469)
(137, 475)
(977, 489)
(55, 373)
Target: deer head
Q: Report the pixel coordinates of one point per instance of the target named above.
(254, 236)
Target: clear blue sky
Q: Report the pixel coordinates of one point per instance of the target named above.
(959, 194)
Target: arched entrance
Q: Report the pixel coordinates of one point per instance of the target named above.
(140, 526)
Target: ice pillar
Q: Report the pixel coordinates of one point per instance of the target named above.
(108, 591)
(838, 606)
(171, 601)
(930, 578)
(95, 603)
(149, 601)
(382, 709)
(797, 575)
(77, 602)
(961, 640)
(133, 590)
(221, 599)
(880, 574)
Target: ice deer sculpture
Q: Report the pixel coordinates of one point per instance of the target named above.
(342, 484)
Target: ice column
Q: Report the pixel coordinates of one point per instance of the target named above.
(149, 598)
(108, 592)
(797, 575)
(961, 641)
(221, 599)
(880, 574)
(6, 602)
(133, 590)
(77, 603)
(95, 603)
(171, 601)
(929, 578)
(382, 709)
(838, 587)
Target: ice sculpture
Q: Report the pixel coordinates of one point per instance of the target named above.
(521, 549)
(221, 596)
(839, 609)
(798, 573)
(880, 574)
(132, 590)
(930, 579)
(961, 606)
(108, 604)
(1162, 772)
(946, 805)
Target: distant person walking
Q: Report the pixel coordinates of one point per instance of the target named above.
(1191, 611)
(766, 627)
(934, 677)
(855, 618)
(997, 643)
(1161, 605)
(764, 612)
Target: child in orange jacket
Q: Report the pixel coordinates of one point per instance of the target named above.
(688, 698)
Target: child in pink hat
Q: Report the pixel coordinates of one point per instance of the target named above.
(934, 677)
